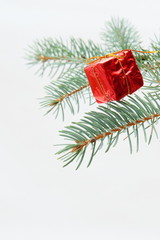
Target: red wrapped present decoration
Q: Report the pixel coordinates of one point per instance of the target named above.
(114, 76)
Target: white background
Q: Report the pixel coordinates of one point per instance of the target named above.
(118, 197)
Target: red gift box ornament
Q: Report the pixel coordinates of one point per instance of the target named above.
(114, 76)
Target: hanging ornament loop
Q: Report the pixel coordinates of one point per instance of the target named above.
(114, 54)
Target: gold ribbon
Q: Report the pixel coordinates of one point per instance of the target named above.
(114, 54)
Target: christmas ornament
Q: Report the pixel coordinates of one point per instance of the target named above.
(113, 76)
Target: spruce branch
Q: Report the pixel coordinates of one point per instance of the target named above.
(119, 34)
(152, 61)
(54, 56)
(67, 92)
(126, 116)
(54, 102)
(151, 71)
(114, 130)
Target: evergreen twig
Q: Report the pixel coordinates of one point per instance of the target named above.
(109, 122)
(67, 91)
(54, 56)
(119, 34)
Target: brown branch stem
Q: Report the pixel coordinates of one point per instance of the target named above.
(46, 58)
(150, 67)
(120, 128)
(68, 95)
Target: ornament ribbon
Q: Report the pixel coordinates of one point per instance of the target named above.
(114, 55)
